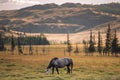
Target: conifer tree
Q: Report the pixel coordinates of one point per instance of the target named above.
(43, 40)
(99, 43)
(108, 41)
(91, 44)
(115, 45)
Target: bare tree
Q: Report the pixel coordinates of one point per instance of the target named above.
(69, 47)
(12, 44)
(76, 49)
(20, 51)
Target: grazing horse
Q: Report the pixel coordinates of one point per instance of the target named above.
(60, 63)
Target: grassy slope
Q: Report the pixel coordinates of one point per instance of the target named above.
(56, 20)
(25, 67)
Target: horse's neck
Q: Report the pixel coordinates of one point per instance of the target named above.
(51, 64)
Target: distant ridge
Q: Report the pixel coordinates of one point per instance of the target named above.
(65, 18)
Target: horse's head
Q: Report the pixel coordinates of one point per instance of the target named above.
(48, 71)
(51, 64)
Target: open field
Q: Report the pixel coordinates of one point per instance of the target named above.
(33, 67)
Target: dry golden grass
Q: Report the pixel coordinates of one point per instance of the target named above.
(32, 67)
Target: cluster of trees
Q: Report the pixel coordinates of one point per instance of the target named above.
(111, 44)
(69, 47)
(22, 40)
(31, 40)
(25, 40)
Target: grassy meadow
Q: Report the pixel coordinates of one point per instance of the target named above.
(33, 67)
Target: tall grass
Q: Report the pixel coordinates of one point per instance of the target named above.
(32, 67)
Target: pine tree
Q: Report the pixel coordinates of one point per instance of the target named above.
(43, 40)
(108, 41)
(115, 45)
(99, 43)
(12, 44)
(91, 44)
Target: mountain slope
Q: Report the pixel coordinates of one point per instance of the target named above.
(52, 18)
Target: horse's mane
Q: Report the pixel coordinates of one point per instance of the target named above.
(55, 58)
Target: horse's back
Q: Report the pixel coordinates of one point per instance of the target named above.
(62, 62)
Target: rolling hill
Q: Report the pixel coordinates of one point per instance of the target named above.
(57, 20)
(53, 18)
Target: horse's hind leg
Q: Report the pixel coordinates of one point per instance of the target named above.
(57, 70)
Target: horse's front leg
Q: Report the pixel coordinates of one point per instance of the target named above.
(52, 70)
(68, 70)
(57, 70)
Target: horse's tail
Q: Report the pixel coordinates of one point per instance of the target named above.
(71, 65)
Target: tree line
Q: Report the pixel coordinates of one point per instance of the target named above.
(111, 46)
(22, 40)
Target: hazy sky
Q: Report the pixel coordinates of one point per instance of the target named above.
(17, 4)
